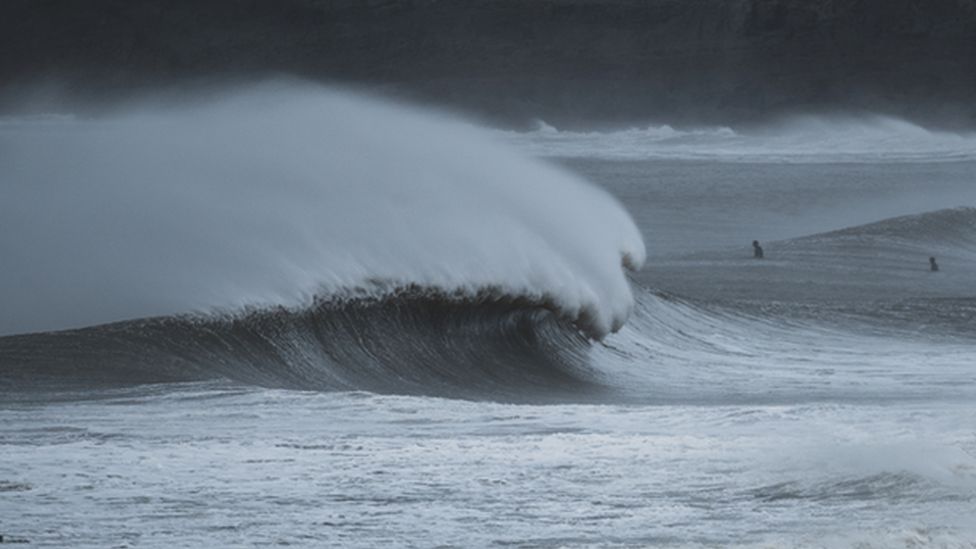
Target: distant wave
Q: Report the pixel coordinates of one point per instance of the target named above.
(883, 261)
(872, 138)
(283, 194)
(896, 246)
(953, 228)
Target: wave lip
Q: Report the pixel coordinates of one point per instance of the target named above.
(284, 193)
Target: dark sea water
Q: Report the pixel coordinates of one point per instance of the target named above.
(824, 396)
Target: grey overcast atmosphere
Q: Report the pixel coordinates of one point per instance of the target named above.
(493, 273)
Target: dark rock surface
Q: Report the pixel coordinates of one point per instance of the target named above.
(570, 62)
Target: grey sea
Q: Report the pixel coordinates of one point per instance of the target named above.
(824, 396)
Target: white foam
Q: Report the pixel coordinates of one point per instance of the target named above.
(273, 195)
(869, 138)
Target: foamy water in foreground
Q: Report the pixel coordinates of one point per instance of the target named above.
(202, 466)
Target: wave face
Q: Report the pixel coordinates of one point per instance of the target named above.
(812, 139)
(286, 193)
(408, 343)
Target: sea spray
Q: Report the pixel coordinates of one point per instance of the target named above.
(280, 194)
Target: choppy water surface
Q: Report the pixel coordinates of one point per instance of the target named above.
(204, 464)
(821, 397)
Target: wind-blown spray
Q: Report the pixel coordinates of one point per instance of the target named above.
(284, 194)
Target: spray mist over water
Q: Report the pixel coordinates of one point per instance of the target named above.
(281, 194)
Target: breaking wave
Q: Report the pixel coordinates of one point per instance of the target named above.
(300, 238)
(494, 344)
(800, 139)
(284, 195)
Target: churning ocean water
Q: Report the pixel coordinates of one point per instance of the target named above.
(289, 316)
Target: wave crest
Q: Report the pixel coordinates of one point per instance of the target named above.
(280, 193)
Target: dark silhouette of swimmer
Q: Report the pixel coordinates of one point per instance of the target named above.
(757, 251)
(933, 266)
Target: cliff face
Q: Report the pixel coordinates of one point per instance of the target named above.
(568, 61)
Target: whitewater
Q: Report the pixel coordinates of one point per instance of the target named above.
(286, 314)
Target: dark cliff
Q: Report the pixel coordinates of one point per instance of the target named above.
(567, 61)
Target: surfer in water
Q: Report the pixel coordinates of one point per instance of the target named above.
(757, 251)
(933, 266)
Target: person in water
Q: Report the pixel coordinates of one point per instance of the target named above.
(933, 266)
(757, 251)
